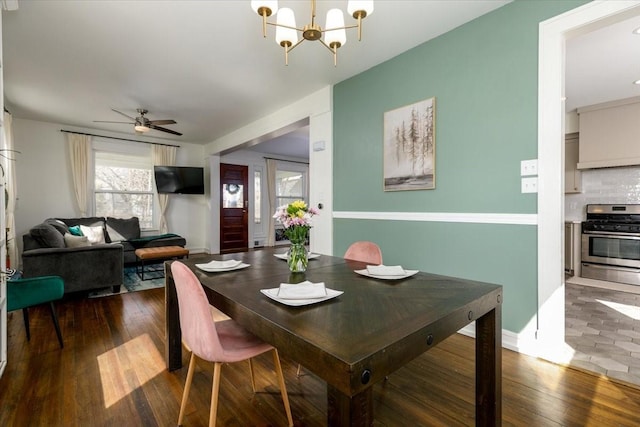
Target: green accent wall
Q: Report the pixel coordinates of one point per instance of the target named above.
(484, 78)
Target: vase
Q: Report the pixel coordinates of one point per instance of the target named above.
(297, 258)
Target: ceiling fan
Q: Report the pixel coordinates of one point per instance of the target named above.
(142, 124)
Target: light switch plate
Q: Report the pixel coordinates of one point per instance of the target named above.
(318, 146)
(529, 167)
(530, 184)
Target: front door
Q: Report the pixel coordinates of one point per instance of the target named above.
(234, 209)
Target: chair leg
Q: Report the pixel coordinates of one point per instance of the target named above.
(217, 367)
(25, 317)
(283, 387)
(298, 370)
(253, 380)
(187, 387)
(54, 316)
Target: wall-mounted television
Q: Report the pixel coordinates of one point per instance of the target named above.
(179, 179)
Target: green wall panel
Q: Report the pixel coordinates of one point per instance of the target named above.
(493, 253)
(484, 78)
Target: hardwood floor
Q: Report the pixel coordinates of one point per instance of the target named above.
(111, 372)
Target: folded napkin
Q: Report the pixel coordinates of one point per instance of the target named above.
(230, 263)
(303, 290)
(386, 270)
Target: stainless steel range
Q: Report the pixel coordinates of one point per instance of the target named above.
(611, 243)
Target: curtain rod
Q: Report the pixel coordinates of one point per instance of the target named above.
(283, 160)
(119, 139)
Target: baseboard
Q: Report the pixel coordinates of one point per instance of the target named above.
(520, 343)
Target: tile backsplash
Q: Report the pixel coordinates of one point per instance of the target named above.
(606, 185)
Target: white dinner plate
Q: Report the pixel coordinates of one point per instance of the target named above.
(407, 273)
(219, 265)
(284, 256)
(203, 267)
(273, 294)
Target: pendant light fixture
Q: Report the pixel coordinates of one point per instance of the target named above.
(335, 34)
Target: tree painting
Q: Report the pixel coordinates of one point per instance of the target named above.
(409, 147)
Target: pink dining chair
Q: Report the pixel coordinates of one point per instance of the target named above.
(218, 342)
(364, 251)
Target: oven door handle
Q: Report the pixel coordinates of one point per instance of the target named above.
(632, 236)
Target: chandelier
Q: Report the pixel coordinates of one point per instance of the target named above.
(335, 34)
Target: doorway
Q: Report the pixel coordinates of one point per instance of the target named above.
(551, 291)
(234, 207)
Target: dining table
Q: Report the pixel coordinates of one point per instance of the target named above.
(367, 328)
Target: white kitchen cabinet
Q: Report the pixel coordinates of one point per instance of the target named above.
(572, 175)
(610, 134)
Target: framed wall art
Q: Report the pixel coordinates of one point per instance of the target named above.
(410, 147)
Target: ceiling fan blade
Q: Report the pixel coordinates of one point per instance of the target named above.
(162, 122)
(152, 126)
(107, 121)
(123, 114)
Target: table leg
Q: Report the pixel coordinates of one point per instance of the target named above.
(489, 368)
(343, 410)
(172, 333)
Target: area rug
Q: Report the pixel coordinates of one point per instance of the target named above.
(153, 275)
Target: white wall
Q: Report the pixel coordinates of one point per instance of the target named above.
(318, 108)
(45, 186)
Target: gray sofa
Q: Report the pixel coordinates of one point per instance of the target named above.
(83, 268)
(50, 248)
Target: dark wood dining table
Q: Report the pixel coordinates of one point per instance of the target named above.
(357, 339)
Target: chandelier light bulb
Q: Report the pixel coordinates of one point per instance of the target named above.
(335, 19)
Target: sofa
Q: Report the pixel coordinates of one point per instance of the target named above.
(88, 253)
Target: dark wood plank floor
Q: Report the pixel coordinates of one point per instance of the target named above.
(111, 372)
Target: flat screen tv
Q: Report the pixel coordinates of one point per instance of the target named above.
(179, 179)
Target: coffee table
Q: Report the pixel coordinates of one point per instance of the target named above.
(159, 253)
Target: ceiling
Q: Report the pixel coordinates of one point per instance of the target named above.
(207, 66)
(203, 64)
(602, 64)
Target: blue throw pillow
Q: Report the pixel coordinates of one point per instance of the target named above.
(75, 230)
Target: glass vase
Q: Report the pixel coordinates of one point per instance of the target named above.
(298, 258)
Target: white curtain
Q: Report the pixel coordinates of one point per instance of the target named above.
(163, 155)
(271, 199)
(11, 188)
(79, 154)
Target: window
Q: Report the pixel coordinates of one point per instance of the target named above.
(257, 202)
(290, 186)
(123, 187)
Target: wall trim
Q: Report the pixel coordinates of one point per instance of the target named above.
(471, 217)
(520, 343)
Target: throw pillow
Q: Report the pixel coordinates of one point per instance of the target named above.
(47, 236)
(58, 225)
(76, 241)
(119, 229)
(75, 230)
(95, 234)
